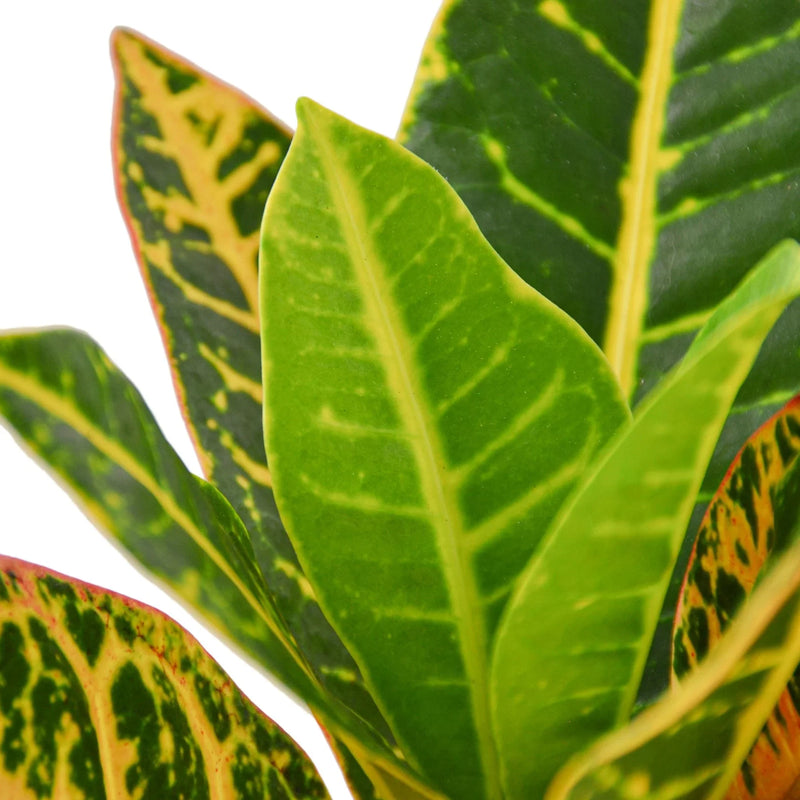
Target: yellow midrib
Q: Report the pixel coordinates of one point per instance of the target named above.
(98, 706)
(209, 196)
(58, 407)
(428, 451)
(637, 233)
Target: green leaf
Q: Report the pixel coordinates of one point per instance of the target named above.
(194, 162)
(599, 152)
(692, 743)
(71, 407)
(750, 521)
(583, 631)
(76, 412)
(632, 166)
(101, 696)
(426, 415)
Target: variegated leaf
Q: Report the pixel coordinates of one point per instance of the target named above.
(195, 160)
(574, 639)
(743, 527)
(71, 407)
(102, 697)
(426, 415)
(690, 745)
(632, 164)
(74, 410)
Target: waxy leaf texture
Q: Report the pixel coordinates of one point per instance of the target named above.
(751, 519)
(195, 160)
(102, 697)
(632, 166)
(426, 415)
(584, 633)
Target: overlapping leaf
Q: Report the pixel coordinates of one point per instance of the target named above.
(575, 637)
(691, 744)
(750, 519)
(81, 416)
(426, 415)
(103, 697)
(74, 410)
(195, 160)
(632, 166)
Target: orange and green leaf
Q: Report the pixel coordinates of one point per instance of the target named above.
(690, 744)
(103, 697)
(195, 161)
(742, 528)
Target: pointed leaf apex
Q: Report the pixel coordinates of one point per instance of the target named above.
(308, 110)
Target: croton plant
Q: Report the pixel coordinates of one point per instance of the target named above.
(496, 422)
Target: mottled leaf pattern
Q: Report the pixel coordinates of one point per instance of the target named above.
(583, 616)
(426, 415)
(745, 524)
(102, 697)
(76, 412)
(195, 160)
(690, 745)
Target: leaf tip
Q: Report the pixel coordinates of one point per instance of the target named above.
(121, 37)
(309, 110)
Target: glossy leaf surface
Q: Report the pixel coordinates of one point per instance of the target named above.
(195, 160)
(76, 412)
(691, 744)
(102, 697)
(631, 165)
(427, 413)
(750, 519)
(575, 637)
(73, 409)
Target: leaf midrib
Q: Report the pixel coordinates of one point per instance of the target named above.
(54, 404)
(637, 233)
(226, 241)
(445, 514)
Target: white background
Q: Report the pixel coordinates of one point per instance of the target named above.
(65, 257)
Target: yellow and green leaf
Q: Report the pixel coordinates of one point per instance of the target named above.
(73, 409)
(744, 527)
(426, 415)
(195, 160)
(692, 743)
(582, 618)
(103, 697)
(632, 166)
(619, 161)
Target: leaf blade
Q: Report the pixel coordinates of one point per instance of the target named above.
(750, 521)
(194, 162)
(724, 705)
(202, 554)
(697, 146)
(66, 401)
(138, 703)
(354, 320)
(630, 515)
